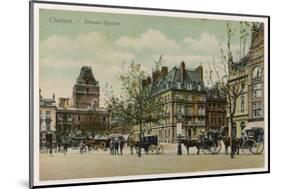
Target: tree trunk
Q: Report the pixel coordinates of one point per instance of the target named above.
(231, 138)
(140, 140)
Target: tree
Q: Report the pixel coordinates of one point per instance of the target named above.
(222, 71)
(92, 122)
(134, 105)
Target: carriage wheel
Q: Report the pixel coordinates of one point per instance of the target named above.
(159, 149)
(209, 147)
(96, 147)
(152, 149)
(213, 147)
(218, 147)
(247, 145)
(257, 148)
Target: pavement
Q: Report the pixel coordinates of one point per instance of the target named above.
(100, 163)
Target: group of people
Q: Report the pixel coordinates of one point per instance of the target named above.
(116, 146)
(59, 147)
(63, 147)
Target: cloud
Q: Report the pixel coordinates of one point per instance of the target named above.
(61, 57)
(150, 41)
(206, 44)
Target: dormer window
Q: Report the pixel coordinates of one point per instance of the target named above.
(179, 84)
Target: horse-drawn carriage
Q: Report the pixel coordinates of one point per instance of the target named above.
(93, 143)
(149, 143)
(98, 142)
(209, 142)
(253, 141)
(213, 140)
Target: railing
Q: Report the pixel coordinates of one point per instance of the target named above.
(48, 117)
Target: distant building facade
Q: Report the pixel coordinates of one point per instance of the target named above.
(239, 77)
(216, 109)
(85, 120)
(181, 92)
(82, 113)
(47, 120)
(256, 78)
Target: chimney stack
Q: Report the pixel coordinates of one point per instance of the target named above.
(199, 69)
(183, 70)
(63, 102)
(164, 71)
(156, 75)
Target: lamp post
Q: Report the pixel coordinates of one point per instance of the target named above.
(179, 125)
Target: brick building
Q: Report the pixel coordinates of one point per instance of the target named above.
(82, 113)
(216, 109)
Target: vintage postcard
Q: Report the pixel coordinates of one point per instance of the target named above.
(122, 94)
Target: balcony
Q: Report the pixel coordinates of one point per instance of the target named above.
(48, 118)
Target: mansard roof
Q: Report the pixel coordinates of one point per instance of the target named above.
(175, 80)
(215, 93)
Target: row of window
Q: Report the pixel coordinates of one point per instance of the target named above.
(69, 117)
(189, 110)
(188, 120)
(47, 113)
(216, 107)
(167, 98)
(217, 120)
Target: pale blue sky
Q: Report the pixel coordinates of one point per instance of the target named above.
(65, 47)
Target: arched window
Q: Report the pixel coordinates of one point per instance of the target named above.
(256, 72)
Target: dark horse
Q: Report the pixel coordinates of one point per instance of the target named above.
(236, 144)
(196, 142)
(192, 143)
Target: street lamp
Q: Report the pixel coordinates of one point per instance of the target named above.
(179, 128)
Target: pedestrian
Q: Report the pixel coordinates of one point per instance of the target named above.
(116, 147)
(59, 145)
(81, 147)
(121, 145)
(51, 148)
(111, 146)
(65, 146)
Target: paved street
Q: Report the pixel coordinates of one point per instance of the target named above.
(100, 164)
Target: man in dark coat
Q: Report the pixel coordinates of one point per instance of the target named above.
(116, 147)
(121, 145)
(65, 146)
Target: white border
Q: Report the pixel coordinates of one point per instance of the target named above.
(38, 6)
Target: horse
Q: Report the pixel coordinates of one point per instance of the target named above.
(192, 143)
(236, 142)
